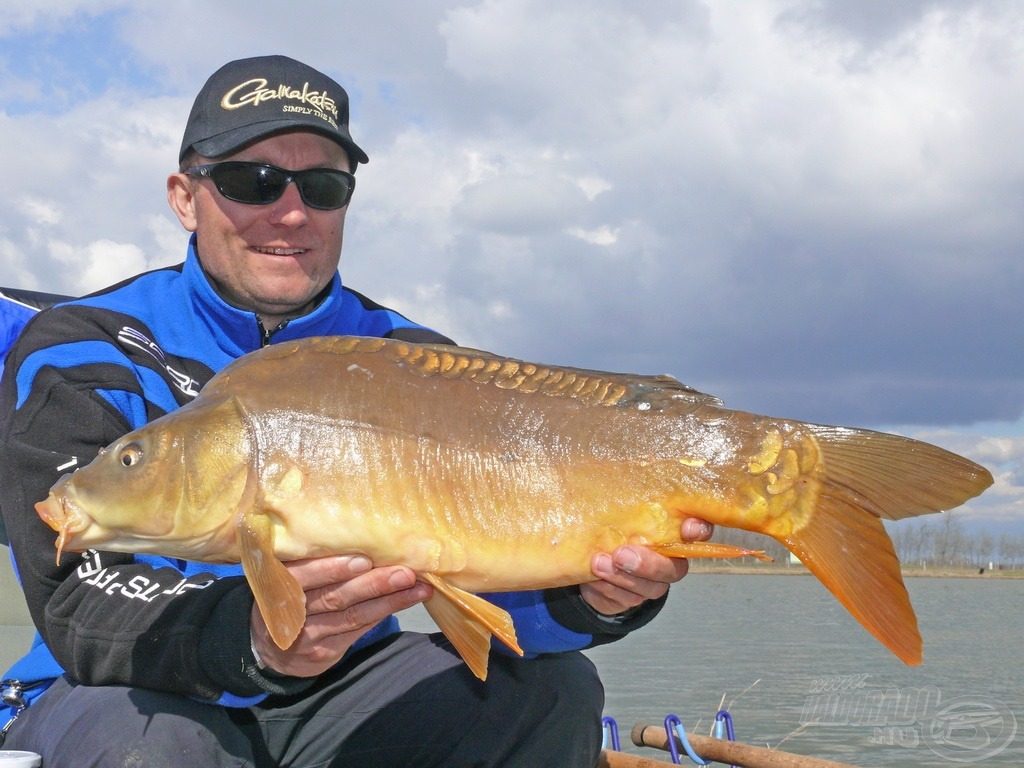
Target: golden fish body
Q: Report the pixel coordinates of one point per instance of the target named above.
(487, 474)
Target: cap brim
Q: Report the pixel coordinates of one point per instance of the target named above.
(232, 141)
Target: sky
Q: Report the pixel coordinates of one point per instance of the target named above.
(809, 208)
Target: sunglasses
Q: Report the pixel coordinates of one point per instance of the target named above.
(260, 184)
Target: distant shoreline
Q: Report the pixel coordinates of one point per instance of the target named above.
(799, 570)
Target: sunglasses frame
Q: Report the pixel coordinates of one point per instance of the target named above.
(209, 171)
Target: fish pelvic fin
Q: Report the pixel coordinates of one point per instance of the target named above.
(469, 622)
(864, 477)
(706, 549)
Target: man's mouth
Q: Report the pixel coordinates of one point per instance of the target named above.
(279, 251)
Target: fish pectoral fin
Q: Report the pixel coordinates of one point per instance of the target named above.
(697, 549)
(280, 598)
(469, 622)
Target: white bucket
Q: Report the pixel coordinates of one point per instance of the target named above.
(13, 758)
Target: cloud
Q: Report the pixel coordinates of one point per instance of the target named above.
(98, 263)
(809, 208)
(520, 205)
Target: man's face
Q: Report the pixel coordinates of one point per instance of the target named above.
(272, 259)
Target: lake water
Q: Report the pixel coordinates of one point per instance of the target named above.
(807, 659)
(781, 652)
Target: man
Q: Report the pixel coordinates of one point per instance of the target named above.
(144, 660)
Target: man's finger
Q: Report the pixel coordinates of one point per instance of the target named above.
(365, 614)
(608, 599)
(342, 595)
(323, 571)
(606, 569)
(642, 563)
(695, 529)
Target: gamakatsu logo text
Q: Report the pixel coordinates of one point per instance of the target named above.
(254, 92)
(965, 729)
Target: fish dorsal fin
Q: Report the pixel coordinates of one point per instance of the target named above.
(596, 387)
(657, 393)
(278, 594)
(602, 388)
(469, 622)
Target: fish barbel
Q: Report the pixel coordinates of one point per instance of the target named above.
(487, 474)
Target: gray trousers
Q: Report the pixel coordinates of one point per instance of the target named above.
(408, 701)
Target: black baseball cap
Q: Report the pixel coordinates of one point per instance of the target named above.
(251, 99)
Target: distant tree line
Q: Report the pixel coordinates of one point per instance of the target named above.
(943, 540)
(932, 541)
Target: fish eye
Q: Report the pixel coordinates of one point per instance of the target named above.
(130, 455)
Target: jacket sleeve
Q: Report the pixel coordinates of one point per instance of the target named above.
(555, 620)
(111, 618)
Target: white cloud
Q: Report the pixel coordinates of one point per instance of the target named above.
(593, 186)
(1000, 449)
(521, 205)
(15, 17)
(99, 263)
(16, 269)
(600, 236)
(39, 211)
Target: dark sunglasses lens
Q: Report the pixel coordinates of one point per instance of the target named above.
(250, 184)
(324, 189)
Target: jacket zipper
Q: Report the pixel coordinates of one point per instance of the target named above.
(264, 333)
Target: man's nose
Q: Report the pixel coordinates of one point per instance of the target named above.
(290, 209)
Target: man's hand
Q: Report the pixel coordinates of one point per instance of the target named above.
(345, 598)
(632, 574)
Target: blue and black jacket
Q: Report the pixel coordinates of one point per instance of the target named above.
(87, 371)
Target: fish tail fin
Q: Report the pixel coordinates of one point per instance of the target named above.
(867, 476)
(469, 622)
(896, 477)
(852, 555)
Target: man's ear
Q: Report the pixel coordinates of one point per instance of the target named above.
(182, 200)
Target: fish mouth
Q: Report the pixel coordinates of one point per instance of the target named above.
(61, 514)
